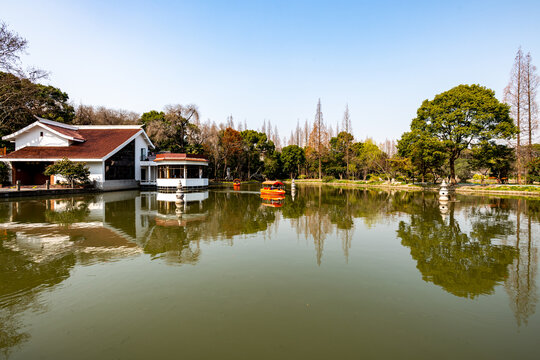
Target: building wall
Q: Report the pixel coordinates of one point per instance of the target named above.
(96, 171)
(172, 183)
(140, 143)
(33, 138)
(112, 185)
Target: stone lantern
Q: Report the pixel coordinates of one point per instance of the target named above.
(179, 196)
(443, 192)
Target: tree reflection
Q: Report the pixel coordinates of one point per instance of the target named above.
(466, 265)
(73, 212)
(521, 283)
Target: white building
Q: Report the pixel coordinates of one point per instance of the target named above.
(189, 170)
(113, 153)
(117, 156)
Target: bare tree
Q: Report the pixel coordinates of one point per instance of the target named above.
(388, 147)
(531, 81)
(230, 122)
(269, 130)
(292, 139)
(90, 115)
(263, 128)
(12, 46)
(347, 127)
(174, 130)
(319, 136)
(298, 133)
(306, 134)
(277, 139)
(514, 96)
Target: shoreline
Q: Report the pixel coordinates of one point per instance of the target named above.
(468, 189)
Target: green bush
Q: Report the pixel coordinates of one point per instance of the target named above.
(71, 171)
(533, 174)
(328, 178)
(302, 177)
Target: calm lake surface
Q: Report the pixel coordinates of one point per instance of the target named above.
(329, 274)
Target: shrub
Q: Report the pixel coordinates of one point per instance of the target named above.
(302, 177)
(533, 174)
(373, 177)
(71, 171)
(328, 178)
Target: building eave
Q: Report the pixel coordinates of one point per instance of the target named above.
(47, 160)
(12, 137)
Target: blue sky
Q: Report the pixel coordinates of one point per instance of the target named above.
(271, 59)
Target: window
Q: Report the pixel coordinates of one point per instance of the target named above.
(121, 166)
(176, 172)
(162, 172)
(193, 172)
(41, 133)
(171, 172)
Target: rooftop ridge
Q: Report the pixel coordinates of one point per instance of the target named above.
(56, 123)
(98, 127)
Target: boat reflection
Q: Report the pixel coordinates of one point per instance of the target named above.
(272, 200)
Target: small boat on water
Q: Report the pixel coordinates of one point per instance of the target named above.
(273, 188)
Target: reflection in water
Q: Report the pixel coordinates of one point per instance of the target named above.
(521, 283)
(479, 244)
(463, 264)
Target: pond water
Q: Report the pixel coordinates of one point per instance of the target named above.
(329, 274)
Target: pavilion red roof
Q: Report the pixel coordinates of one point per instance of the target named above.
(177, 156)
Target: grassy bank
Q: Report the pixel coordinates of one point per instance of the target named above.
(528, 190)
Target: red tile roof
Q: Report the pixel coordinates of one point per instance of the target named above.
(172, 156)
(71, 133)
(99, 143)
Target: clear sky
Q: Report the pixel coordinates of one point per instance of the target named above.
(273, 59)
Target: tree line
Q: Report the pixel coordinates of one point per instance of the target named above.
(459, 132)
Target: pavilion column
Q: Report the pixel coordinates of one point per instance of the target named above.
(185, 171)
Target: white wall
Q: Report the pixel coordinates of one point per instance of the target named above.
(112, 185)
(185, 182)
(140, 143)
(33, 138)
(96, 173)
